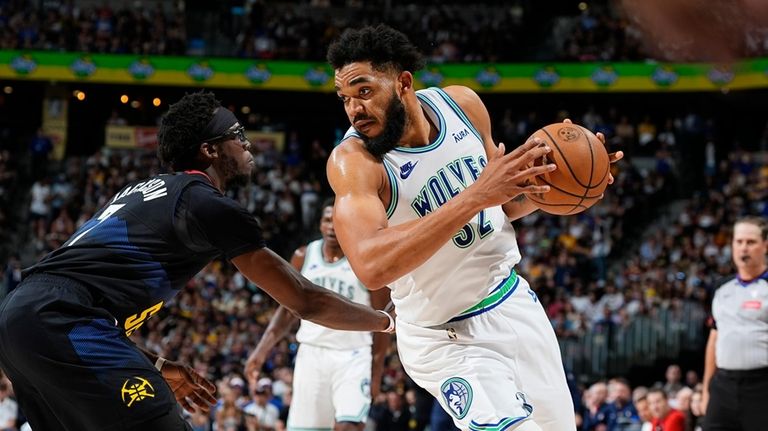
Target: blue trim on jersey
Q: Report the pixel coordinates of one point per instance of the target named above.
(441, 132)
(484, 308)
(99, 344)
(351, 134)
(392, 190)
(457, 109)
(114, 233)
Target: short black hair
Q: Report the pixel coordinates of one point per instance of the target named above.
(328, 202)
(181, 129)
(382, 45)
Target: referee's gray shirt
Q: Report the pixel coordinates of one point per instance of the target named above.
(740, 311)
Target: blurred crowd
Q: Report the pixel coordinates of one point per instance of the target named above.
(64, 26)
(670, 404)
(8, 189)
(448, 31)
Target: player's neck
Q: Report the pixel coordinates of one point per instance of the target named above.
(750, 273)
(419, 130)
(216, 180)
(331, 253)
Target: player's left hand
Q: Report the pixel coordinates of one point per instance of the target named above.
(612, 157)
(192, 391)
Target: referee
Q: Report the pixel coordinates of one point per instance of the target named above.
(735, 393)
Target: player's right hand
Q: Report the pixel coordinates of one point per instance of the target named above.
(507, 176)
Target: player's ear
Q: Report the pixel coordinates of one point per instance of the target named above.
(207, 152)
(405, 81)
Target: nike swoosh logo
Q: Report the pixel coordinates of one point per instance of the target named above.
(406, 169)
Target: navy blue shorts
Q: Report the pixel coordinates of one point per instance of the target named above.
(71, 366)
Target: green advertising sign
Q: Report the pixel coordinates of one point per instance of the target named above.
(304, 76)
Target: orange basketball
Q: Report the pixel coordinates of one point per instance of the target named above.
(582, 169)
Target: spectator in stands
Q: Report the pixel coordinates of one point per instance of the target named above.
(695, 419)
(691, 379)
(287, 399)
(40, 148)
(673, 380)
(40, 209)
(665, 418)
(596, 409)
(682, 400)
(621, 412)
(11, 275)
(261, 415)
(643, 410)
(392, 414)
(229, 417)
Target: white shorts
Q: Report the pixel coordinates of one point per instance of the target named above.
(330, 386)
(495, 368)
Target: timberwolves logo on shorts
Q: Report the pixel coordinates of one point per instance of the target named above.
(458, 396)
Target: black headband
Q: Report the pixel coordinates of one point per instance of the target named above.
(222, 121)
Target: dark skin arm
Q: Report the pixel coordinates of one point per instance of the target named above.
(308, 301)
(283, 321)
(279, 326)
(379, 300)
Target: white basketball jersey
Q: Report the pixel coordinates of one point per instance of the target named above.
(482, 254)
(338, 277)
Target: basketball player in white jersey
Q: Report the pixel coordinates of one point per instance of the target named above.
(336, 372)
(424, 201)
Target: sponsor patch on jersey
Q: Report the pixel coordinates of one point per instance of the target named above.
(457, 394)
(136, 389)
(752, 305)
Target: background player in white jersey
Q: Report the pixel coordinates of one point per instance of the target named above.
(424, 200)
(336, 372)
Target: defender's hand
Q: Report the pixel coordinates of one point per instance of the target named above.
(192, 391)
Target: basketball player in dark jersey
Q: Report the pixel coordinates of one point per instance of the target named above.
(64, 330)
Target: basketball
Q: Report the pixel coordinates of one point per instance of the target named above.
(582, 169)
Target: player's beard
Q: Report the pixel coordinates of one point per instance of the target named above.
(394, 126)
(235, 177)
